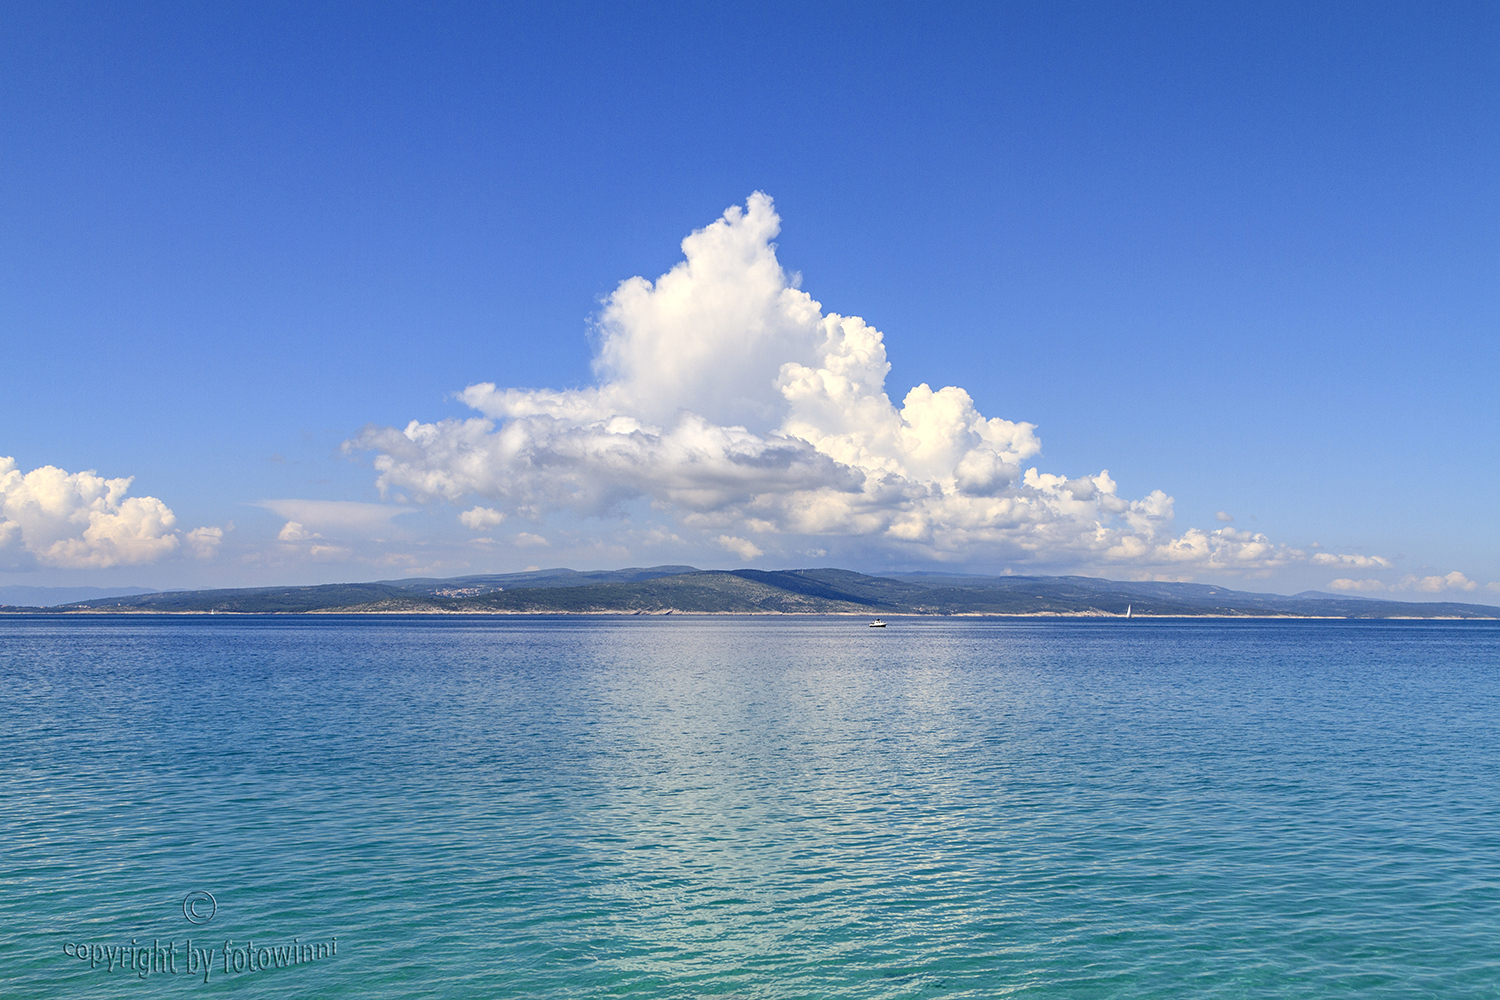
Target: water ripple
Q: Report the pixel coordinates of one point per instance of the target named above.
(769, 808)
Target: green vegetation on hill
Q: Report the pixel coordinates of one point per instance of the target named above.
(258, 601)
(666, 589)
(703, 593)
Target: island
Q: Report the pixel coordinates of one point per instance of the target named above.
(662, 590)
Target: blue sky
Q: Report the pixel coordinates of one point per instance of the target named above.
(1244, 255)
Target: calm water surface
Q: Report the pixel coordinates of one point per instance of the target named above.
(750, 807)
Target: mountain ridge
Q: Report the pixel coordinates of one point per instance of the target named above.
(828, 590)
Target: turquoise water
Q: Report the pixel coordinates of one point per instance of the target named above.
(751, 807)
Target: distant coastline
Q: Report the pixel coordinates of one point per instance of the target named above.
(684, 590)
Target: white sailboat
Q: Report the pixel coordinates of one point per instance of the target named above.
(1127, 610)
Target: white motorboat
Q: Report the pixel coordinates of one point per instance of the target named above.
(877, 623)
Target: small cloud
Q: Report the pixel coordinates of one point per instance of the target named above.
(1457, 581)
(336, 515)
(1224, 516)
(295, 531)
(746, 550)
(329, 552)
(1412, 582)
(481, 518)
(526, 539)
(413, 565)
(1438, 584)
(204, 542)
(1353, 561)
(1364, 586)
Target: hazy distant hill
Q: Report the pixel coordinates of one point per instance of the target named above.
(540, 578)
(47, 597)
(682, 589)
(292, 600)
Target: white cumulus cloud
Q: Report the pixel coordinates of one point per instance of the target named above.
(1438, 584)
(729, 401)
(53, 518)
(1411, 582)
(745, 549)
(1358, 586)
(1352, 561)
(481, 518)
(296, 531)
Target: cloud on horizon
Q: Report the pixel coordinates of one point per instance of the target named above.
(733, 405)
(51, 518)
(303, 534)
(336, 515)
(1411, 583)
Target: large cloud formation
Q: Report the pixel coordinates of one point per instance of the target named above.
(731, 401)
(53, 518)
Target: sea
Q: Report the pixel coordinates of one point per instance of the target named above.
(755, 807)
